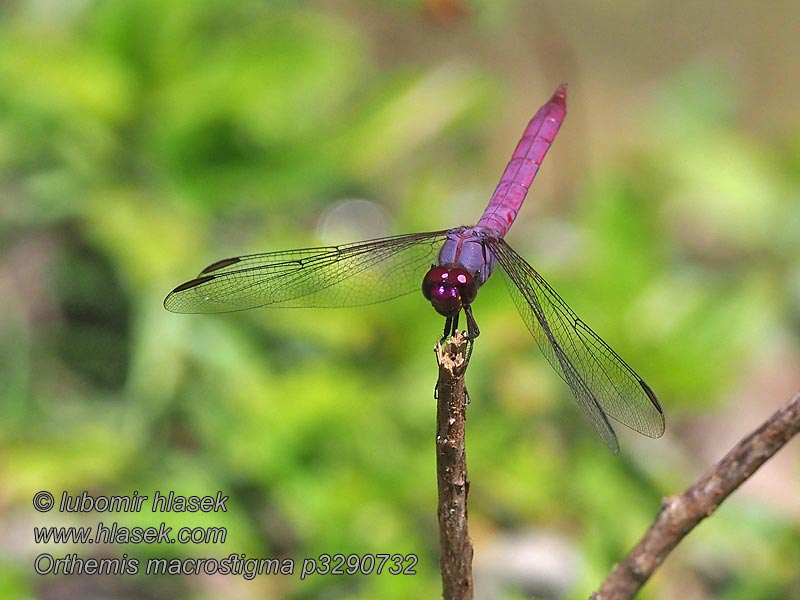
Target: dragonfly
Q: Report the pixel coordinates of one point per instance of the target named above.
(458, 262)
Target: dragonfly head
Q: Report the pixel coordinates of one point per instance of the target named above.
(449, 289)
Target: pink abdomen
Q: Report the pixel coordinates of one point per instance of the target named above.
(524, 164)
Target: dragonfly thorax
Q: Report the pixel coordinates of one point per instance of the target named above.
(449, 289)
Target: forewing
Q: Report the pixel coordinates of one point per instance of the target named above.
(333, 276)
(603, 384)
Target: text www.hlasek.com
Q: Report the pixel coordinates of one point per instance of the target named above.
(114, 534)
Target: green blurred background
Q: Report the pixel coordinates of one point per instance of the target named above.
(140, 141)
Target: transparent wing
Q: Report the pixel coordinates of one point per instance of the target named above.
(334, 276)
(603, 384)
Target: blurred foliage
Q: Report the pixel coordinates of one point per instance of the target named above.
(141, 140)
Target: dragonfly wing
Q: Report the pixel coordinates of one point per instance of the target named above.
(334, 276)
(603, 384)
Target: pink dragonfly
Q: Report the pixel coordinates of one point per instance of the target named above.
(462, 260)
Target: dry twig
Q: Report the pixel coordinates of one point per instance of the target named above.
(451, 470)
(680, 514)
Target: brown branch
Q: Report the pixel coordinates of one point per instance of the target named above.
(680, 514)
(451, 470)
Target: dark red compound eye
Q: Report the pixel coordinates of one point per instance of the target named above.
(449, 289)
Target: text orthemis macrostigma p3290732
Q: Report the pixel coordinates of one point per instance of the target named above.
(458, 261)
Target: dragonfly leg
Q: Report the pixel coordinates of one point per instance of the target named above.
(448, 328)
(473, 331)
